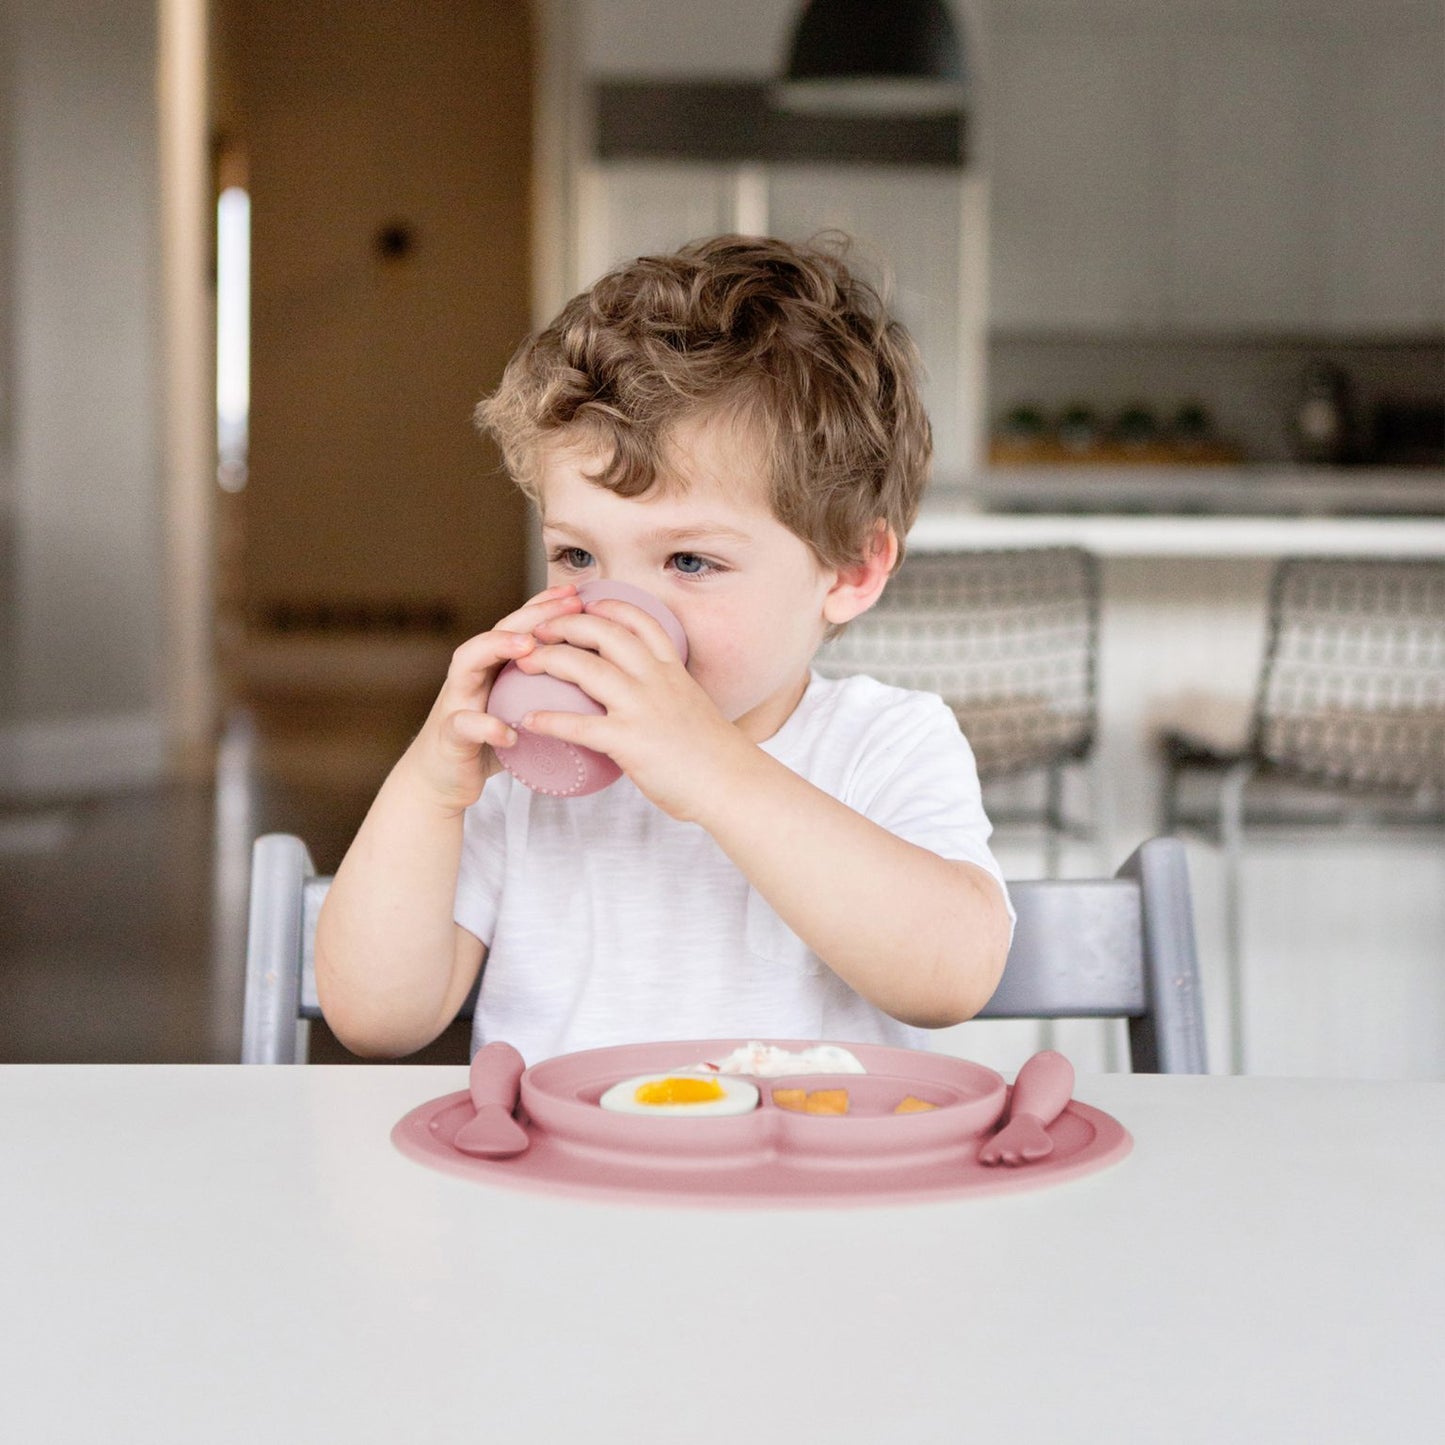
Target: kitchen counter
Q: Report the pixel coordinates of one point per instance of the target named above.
(1182, 631)
(1190, 512)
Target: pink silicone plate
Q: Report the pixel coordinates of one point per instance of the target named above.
(772, 1156)
(560, 1097)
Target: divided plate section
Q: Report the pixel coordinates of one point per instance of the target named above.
(871, 1129)
(560, 1097)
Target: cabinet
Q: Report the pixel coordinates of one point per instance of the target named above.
(1076, 169)
(919, 232)
(1240, 246)
(1385, 246)
(1276, 168)
(639, 208)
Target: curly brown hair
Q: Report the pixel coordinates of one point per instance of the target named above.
(783, 337)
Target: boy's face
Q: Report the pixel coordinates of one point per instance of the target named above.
(749, 593)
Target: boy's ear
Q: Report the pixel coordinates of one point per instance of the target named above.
(858, 585)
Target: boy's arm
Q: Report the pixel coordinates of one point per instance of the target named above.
(392, 967)
(922, 937)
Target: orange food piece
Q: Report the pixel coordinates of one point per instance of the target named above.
(910, 1105)
(820, 1101)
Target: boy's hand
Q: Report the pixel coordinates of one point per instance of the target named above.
(660, 727)
(453, 753)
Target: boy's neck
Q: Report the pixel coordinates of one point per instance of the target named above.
(764, 720)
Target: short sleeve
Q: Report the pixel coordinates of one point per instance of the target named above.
(914, 773)
(484, 858)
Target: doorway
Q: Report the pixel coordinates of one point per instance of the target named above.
(386, 151)
(386, 156)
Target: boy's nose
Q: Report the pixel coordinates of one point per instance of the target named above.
(626, 579)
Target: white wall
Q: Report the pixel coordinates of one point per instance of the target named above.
(7, 399)
(79, 436)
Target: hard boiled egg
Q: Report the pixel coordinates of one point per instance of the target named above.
(692, 1095)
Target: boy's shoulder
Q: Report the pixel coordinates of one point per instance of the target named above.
(861, 692)
(856, 738)
(859, 704)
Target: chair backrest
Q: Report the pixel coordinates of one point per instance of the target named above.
(1120, 947)
(1007, 638)
(286, 896)
(1352, 690)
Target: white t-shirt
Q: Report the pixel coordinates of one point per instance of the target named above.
(609, 922)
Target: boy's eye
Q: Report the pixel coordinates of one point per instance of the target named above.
(576, 559)
(690, 564)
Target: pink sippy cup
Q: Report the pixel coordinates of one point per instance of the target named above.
(549, 765)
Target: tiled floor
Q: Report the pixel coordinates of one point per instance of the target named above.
(122, 919)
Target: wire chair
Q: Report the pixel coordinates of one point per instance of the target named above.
(1009, 640)
(1348, 727)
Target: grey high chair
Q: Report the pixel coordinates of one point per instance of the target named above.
(1009, 639)
(1347, 735)
(1120, 947)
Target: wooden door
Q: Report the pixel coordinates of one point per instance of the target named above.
(388, 150)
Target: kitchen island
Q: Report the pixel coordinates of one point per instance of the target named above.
(1343, 934)
(1191, 511)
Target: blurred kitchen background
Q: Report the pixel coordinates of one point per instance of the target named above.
(1176, 267)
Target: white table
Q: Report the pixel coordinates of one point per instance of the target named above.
(220, 1254)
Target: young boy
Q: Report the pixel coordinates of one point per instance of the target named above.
(735, 428)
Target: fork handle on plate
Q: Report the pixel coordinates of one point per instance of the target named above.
(1041, 1092)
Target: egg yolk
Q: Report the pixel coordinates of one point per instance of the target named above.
(679, 1091)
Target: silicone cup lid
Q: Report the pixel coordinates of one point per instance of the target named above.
(550, 765)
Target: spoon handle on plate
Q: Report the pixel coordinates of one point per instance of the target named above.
(496, 1075)
(493, 1082)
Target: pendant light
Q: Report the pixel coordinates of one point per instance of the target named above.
(874, 56)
